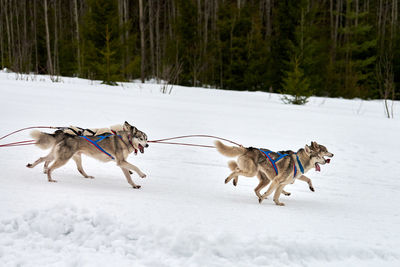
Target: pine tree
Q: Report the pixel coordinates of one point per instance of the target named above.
(296, 85)
(101, 43)
(357, 54)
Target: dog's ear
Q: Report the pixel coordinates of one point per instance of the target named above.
(307, 149)
(314, 144)
(134, 130)
(126, 126)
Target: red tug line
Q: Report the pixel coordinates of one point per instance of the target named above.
(159, 141)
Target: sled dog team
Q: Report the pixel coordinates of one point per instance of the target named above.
(276, 169)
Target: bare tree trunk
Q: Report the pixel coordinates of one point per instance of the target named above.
(49, 61)
(12, 45)
(151, 33)
(8, 31)
(332, 21)
(1, 34)
(158, 56)
(78, 45)
(26, 47)
(269, 21)
(142, 44)
(126, 20)
(357, 12)
(35, 38)
(55, 44)
(17, 41)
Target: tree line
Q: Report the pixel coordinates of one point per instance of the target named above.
(337, 48)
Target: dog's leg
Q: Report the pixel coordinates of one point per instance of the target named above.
(78, 160)
(57, 164)
(38, 161)
(263, 182)
(278, 192)
(128, 178)
(272, 187)
(232, 175)
(307, 180)
(244, 167)
(46, 164)
(233, 166)
(129, 166)
(238, 172)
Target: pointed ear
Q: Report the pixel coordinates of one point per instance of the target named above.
(126, 126)
(314, 144)
(134, 129)
(307, 149)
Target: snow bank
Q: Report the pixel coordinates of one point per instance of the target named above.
(78, 237)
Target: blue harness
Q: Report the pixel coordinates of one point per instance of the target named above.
(102, 137)
(273, 162)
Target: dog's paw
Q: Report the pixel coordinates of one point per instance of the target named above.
(29, 165)
(260, 200)
(235, 182)
(130, 172)
(279, 203)
(227, 180)
(312, 189)
(143, 175)
(136, 186)
(287, 193)
(89, 177)
(52, 181)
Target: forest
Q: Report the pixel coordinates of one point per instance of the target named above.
(334, 48)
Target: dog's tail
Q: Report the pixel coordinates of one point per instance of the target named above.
(229, 151)
(43, 140)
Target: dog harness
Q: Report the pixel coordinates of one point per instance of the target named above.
(281, 156)
(102, 137)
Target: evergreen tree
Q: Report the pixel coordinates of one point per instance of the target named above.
(295, 84)
(356, 55)
(102, 47)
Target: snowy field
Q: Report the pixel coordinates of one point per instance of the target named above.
(184, 214)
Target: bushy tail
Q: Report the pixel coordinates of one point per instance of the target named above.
(229, 151)
(43, 140)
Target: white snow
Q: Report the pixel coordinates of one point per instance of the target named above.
(184, 214)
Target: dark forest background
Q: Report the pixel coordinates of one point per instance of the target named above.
(342, 48)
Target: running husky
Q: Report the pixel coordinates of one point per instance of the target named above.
(279, 168)
(105, 145)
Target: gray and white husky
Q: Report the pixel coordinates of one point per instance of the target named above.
(253, 162)
(104, 144)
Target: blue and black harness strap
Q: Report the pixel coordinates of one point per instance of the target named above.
(102, 137)
(300, 165)
(273, 162)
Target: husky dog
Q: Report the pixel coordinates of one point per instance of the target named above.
(254, 161)
(115, 144)
(314, 146)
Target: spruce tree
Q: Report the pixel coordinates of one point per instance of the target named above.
(102, 46)
(296, 85)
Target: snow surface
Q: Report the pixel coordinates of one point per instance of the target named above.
(184, 214)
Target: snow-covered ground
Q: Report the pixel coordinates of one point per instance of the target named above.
(184, 214)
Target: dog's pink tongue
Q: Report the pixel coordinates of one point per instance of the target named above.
(317, 167)
(328, 160)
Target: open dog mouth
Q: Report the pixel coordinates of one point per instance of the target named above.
(141, 148)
